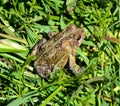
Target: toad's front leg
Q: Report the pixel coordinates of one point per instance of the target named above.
(73, 66)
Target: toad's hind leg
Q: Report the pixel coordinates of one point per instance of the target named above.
(43, 71)
(36, 48)
(73, 66)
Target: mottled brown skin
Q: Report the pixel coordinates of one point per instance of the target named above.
(54, 53)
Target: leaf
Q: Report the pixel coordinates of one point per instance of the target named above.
(13, 38)
(23, 99)
(70, 5)
(86, 60)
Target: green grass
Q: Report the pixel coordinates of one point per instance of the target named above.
(23, 23)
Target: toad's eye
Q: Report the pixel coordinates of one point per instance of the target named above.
(78, 38)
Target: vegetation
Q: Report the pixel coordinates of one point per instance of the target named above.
(23, 23)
